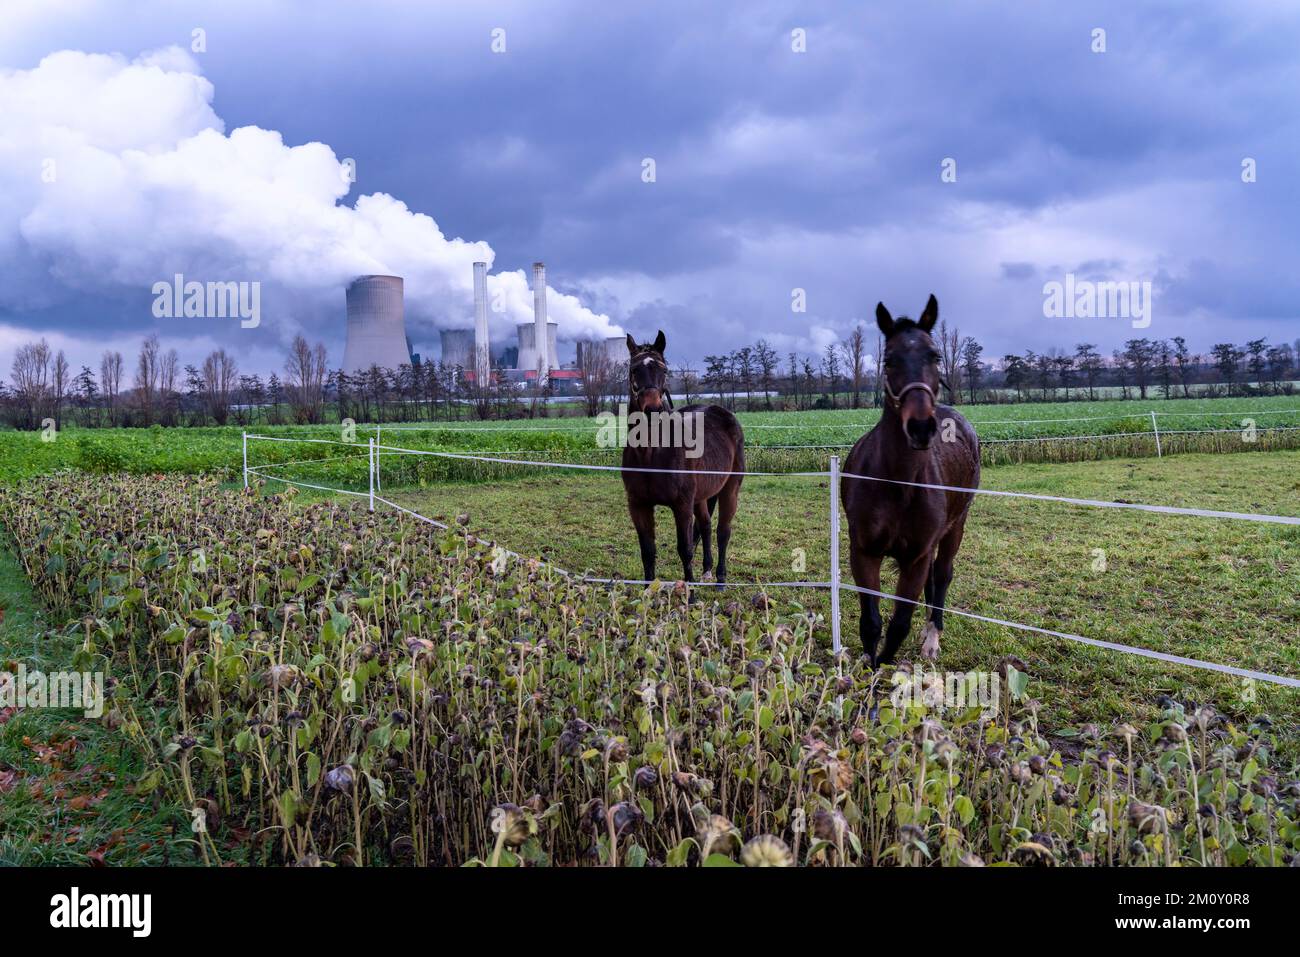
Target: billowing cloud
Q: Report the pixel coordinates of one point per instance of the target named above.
(116, 174)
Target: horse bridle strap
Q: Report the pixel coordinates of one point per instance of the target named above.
(896, 399)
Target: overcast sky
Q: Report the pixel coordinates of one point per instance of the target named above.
(775, 170)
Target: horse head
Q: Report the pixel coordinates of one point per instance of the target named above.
(647, 372)
(911, 377)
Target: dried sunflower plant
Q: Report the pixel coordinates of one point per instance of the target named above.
(333, 686)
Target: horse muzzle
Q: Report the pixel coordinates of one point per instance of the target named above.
(920, 431)
(916, 407)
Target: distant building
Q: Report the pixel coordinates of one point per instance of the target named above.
(376, 324)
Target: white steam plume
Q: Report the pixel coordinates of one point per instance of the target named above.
(116, 173)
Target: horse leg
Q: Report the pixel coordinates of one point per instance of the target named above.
(911, 582)
(728, 501)
(866, 573)
(929, 637)
(684, 516)
(643, 520)
(937, 593)
(702, 529)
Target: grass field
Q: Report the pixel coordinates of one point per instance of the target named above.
(1019, 433)
(1218, 590)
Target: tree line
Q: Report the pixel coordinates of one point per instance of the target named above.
(845, 374)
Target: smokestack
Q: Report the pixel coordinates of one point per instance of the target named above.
(482, 357)
(539, 319)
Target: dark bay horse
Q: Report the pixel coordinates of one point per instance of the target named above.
(916, 440)
(711, 442)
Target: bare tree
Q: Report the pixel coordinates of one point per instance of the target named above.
(765, 357)
(31, 379)
(855, 357)
(146, 377)
(110, 380)
(168, 398)
(219, 376)
(880, 365)
(597, 377)
(831, 371)
(950, 363)
(971, 366)
(60, 380)
(305, 371)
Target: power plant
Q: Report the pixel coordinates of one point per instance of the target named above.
(471, 351)
(377, 336)
(376, 325)
(458, 348)
(482, 348)
(543, 341)
(611, 351)
(530, 358)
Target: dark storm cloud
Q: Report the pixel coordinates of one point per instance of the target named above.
(778, 170)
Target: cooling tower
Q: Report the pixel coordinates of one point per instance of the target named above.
(458, 348)
(527, 332)
(482, 350)
(376, 324)
(544, 358)
(527, 360)
(616, 350)
(612, 351)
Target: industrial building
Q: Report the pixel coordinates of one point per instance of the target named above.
(471, 350)
(377, 337)
(376, 324)
(458, 348)
(612, 351)
(529, 359)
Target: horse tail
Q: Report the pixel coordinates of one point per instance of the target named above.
(713, 502)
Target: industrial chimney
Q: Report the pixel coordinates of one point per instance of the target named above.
(539, 319)
(376, 324)
(482, 358)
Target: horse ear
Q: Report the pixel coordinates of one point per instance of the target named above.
(930, 315)
(660, 342)
(884, 320)
(631, 345)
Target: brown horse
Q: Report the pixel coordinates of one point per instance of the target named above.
(710, 442)
(920, 528)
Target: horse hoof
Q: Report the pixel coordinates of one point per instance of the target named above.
(930, 641)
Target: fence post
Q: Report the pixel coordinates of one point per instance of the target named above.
(835, 555)
(1155, 427)
(378, 484)
(372, 473)
(245, 460)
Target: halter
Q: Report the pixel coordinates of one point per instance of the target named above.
(896, 399)
(653, 357)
